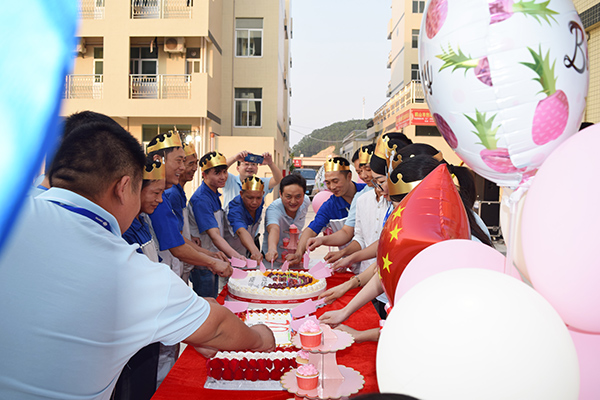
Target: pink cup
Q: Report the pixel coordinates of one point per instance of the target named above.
(307, 382)
(311, 339)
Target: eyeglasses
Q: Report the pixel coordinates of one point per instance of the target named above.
(376, 184)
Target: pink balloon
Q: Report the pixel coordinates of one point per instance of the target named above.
(320, 198)
(559, 230)
(587, 346)
(448, 255)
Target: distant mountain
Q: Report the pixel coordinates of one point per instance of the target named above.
(322, 138)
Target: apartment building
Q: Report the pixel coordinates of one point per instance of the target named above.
(218, 71)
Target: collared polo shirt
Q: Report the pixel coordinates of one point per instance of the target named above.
(351, 220)
(178, 200)
(166, 226)
(138, 233)
(334, 208)
(234, 185)
(204, 203)
(276, 214)
(77, 305)
(239, 217)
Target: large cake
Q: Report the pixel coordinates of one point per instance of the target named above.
(233, 370)
(276, 287)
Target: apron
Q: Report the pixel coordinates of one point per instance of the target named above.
(186, 232)
(167, 258)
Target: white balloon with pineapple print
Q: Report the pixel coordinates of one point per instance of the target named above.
(506, 80)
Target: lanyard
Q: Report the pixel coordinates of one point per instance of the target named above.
(86, 213)
(388, 212)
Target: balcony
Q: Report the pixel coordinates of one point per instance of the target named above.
(91, 9)
(160, 86)
(84, 86)
(412, 93)
(157, 9)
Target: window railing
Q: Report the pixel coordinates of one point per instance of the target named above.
(160, 86)
(412, 93)
(91, 9)
(84, 86)
(154, 9)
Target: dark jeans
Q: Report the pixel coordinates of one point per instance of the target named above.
(204, 282)
(380, 308)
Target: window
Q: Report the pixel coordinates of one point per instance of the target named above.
(248, 107)
(143, 61)
(418, 6)
(192, 60)
(149, 131)
(248, 37)
(414, 72)
(415, 38)
(98, 63)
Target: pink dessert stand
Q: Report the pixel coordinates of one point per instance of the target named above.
(335, 381)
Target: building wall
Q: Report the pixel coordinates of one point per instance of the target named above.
(589, 11)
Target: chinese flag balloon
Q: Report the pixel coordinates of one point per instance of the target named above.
(433, 211)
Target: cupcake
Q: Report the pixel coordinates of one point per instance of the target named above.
(307, 377)
(302, 357)
(310, 334)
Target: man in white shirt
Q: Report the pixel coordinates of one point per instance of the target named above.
(77, 300)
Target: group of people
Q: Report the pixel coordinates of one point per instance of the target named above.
(85, 283)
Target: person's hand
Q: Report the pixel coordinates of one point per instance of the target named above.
(334, 293)
(295, 258)
(333, 318)
(221, 268)
(208, 352)
(196, 241)
(239, 256)
(333, 256)
(271, 256)
(241, 155)
(267, 159)
(219, 255)
(314, 242)
(257, 257)
(268, 340)
(342, 263)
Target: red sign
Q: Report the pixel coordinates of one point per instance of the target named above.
(298, 162)
(414, 116)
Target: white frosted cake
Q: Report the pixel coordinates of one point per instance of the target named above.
(277, 320)
(276, 287)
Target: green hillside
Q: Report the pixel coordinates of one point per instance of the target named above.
(322, 138)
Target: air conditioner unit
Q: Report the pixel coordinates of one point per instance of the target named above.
(174, 45)
(81, 49)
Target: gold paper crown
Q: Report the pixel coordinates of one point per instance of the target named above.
(364, 156)
(383, 149)
(253, 183)
(212, 161)
(393, 162)
(154, 171)
(438, 157)
(400, 187)
(189, 149)
(165, 141)
(336, 164)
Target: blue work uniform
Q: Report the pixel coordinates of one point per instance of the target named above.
(233, 186)
(333, 213)
(176, 196)
(239, 217)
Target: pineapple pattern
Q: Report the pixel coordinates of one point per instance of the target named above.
(494, 157)
(436, 16)
(552, 113)
(501, 10)
(459, 60)
(496, 84)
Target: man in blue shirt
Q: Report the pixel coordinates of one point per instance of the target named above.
(173, 247)
(289, 209)
(243, 216)
(207, 216)
(77, 300)
(246, 169)
(334, 211)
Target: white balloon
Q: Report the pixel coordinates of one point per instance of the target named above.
(476, 334)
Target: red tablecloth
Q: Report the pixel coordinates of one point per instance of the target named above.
(186, 379)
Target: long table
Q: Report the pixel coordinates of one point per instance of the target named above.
(188, 375)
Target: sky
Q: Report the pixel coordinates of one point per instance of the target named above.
(339, 54)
